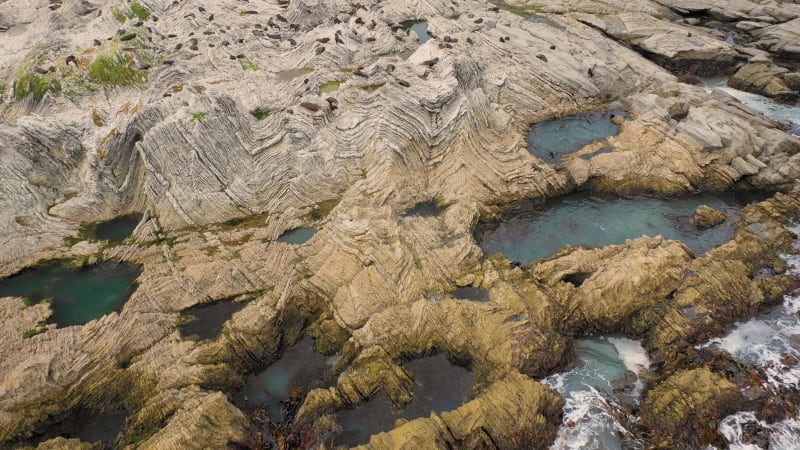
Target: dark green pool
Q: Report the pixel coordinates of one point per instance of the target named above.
(530, 232)
(117, 229)
(78, 295)
(206, 321)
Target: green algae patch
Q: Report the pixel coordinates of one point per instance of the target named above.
(31, 84)
(260, 114)
(331, 86)
(525, 11)
(118, 15)
(115, 71)
(139, 10)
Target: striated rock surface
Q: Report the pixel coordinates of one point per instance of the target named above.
(227, 124)
(678, 47)
(768, 80)
(683, 406)
(483, 422)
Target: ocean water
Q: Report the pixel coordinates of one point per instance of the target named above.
(590, 406)
(771, 340)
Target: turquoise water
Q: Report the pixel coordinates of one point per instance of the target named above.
(420, 27)
(117, 229)
(590, 408)
(297, 236)
(206, 321)
(550, 140)
(533, 232)
(438, 386)
(78, 295)
(300, 367)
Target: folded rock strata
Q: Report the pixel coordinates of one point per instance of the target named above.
(187, 141)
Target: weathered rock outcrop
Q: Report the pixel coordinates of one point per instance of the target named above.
(683, 406)
(483, 422)
(678, 47)
(213, 123)
(769, 80)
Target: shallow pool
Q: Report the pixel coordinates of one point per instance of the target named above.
(78, 295)
(117, 229)
(299, 369)
(297, 236)
(438, 386)
(206, 321)
(551, 140)
(530, 232)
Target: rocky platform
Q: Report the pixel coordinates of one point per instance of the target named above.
(210, 119)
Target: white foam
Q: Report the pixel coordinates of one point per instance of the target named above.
(731, 428)
(589, 410)
(588, 423)
(783, 435)
(632, 354)
(767, 342)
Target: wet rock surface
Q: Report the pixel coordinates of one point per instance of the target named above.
(113, 108)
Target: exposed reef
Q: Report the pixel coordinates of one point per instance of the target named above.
(324, 167)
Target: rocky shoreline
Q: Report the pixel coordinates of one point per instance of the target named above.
(210, 121)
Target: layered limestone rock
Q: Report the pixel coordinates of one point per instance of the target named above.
(227, 124)
(780, 39)
(768, 80)
(678, 47)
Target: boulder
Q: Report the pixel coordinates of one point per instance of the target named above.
(707, 217)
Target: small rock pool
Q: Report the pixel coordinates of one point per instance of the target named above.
(117, 229)
(551, 140)
(78, 295)
(420, 27)
(439, 386)
(297, 236)
(530, 232)
(297, 371)
(206, 321)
